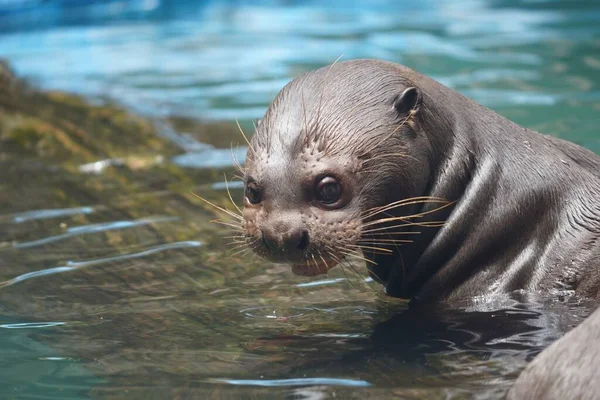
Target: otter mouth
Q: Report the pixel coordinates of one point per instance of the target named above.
(317, 267)
(303, 264)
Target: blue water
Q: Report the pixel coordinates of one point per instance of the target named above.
(128, 292)
(227, 59)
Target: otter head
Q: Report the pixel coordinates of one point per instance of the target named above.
(336, 146)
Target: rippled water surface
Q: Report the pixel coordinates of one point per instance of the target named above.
(114, 284)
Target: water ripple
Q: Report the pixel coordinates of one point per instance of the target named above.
(73, 265)
(30, 325)
(269, 313)
(50, 213)
(297, 382)
(320, 283)
(97, 167)
(227, 185)
(210, 158)
(95, 228)
(498, 97)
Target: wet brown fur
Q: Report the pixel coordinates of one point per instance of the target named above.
(525, 207)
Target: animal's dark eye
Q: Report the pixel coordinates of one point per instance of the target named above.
(329, 190)
(253, 194)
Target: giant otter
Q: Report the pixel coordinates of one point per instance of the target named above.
(568, 369)
(444, 197)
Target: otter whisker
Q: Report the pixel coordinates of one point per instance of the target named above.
(378, 144)
(390, 217)
(241, 250)
(376, 252)
(351, 268)
(314, 261)
(376, 276)
(404, 202)
(239, 247)
(434, 224)
(236, 245)
(229, 224)
(395, 233)
(370, 248)
(319, 107)
(238, 242)
(234, 237)
(354, 253)
(407, 201)
(403, 269)
(387, 245)
(382, 156)
(233, 223)
(319, 268)
(340, 263)
(238, 250)
(382, 241)
(348, 250)
(245, 137)
(396, 242)
(302, 103)
(451, 203)
(423, 213)
(405, 218)
(226, 211)
(254, 246)
(229, 194)
(321, 257)
(343, 268)
(361, 276)
(251, 251)
(372, 212)
(236, 162)
(431, 224)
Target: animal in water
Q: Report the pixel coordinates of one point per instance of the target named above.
(567, 369)
(440, 196)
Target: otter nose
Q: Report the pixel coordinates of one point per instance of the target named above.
(283, 239)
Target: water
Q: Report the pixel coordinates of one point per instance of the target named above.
(114, 284)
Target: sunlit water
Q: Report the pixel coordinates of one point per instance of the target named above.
(124, 293)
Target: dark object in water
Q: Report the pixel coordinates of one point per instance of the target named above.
(445, 198)
(568, 369)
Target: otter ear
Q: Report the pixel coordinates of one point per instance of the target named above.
(408, 102)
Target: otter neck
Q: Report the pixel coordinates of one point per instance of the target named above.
(490, 228)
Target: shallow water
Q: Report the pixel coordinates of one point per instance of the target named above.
(114, 284)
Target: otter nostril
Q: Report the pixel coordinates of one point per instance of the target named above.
(303, 242)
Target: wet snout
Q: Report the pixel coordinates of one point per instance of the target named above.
(286, 239)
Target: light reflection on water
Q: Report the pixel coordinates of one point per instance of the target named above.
(145, 309)
(226, 59)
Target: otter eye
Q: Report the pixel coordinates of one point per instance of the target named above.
(253, 194)
(329, 190)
